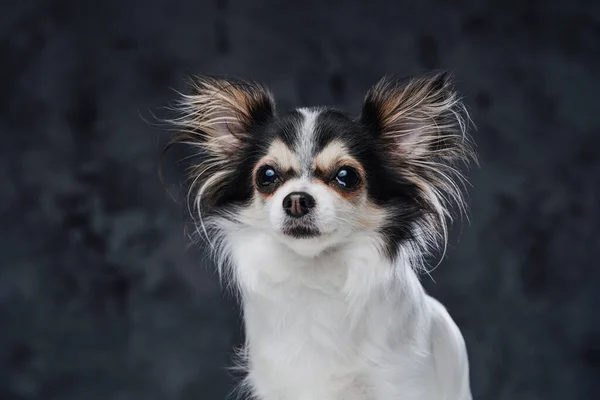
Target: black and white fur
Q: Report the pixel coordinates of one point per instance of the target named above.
(328, 280)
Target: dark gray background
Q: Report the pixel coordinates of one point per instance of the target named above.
(99, 299)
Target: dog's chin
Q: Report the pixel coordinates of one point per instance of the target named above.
(306, 241)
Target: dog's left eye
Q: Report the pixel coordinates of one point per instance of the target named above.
(267, 176)
(347, 177)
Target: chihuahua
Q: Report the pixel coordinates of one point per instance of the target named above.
(322, 222)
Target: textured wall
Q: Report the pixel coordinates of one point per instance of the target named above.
(99, 299)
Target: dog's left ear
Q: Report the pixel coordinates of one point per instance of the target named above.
(420, 120)
(422, 125)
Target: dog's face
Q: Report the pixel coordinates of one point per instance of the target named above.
(312, 180)
(315, 178)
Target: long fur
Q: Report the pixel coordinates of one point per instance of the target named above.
(427, 117)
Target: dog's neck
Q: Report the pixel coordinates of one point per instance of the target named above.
(263, 265)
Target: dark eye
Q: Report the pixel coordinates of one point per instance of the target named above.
(347, 177)
(267, 176)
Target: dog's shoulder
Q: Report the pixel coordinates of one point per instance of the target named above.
(449, 354)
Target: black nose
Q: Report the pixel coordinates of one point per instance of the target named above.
(298, 204)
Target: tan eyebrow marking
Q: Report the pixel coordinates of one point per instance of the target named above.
(330, 156)
(281, 155)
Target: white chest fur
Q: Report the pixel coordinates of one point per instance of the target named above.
(342, 326)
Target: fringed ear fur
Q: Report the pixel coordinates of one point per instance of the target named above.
(219, 113)
(217, 119)
(424, 127)
(424, 119)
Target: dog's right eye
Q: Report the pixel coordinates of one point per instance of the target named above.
(267, 176)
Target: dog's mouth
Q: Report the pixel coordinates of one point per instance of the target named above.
(301, 232)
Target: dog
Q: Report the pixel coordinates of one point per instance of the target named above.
(322, 222)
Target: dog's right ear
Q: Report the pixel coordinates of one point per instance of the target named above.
(219, 114)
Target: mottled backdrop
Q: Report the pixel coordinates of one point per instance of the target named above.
(99, 298)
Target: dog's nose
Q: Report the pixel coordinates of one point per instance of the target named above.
(298, 204)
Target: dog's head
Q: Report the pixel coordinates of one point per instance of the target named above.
(314, 178)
